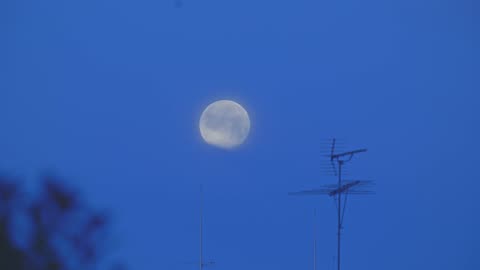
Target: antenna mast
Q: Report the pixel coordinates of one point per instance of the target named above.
(202, 262)
(201, 227)
(314, 241)
(341, 188)
(340, 159)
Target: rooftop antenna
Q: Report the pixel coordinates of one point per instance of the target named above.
(314, 240)
(342, 187)
(202, 262)
(201, 227)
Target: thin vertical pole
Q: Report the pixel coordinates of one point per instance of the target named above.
(201, 227)
(314, 240)
(339, 228)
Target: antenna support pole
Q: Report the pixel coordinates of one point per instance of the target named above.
(339, 212)
(201, 227)
(314, 240)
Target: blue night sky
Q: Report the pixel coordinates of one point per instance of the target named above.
(108, 94)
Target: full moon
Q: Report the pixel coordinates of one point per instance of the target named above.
(224, 124)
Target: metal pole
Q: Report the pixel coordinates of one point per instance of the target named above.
(201, 228)
(339, 212)
(314, 241)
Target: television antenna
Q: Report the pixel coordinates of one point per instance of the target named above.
(314, 240)
(343, 187)
(202, 262)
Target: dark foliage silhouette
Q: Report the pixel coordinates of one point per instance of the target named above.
(52, 230)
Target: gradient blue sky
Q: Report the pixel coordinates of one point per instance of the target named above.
(108, 94)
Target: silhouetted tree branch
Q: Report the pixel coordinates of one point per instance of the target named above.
(55, 230)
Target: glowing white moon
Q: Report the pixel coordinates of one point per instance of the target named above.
(225, 124)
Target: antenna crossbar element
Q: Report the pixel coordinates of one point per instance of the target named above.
(339, 156)
(209, 263)
(344, 188)
(349, 153)
(350, 187)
